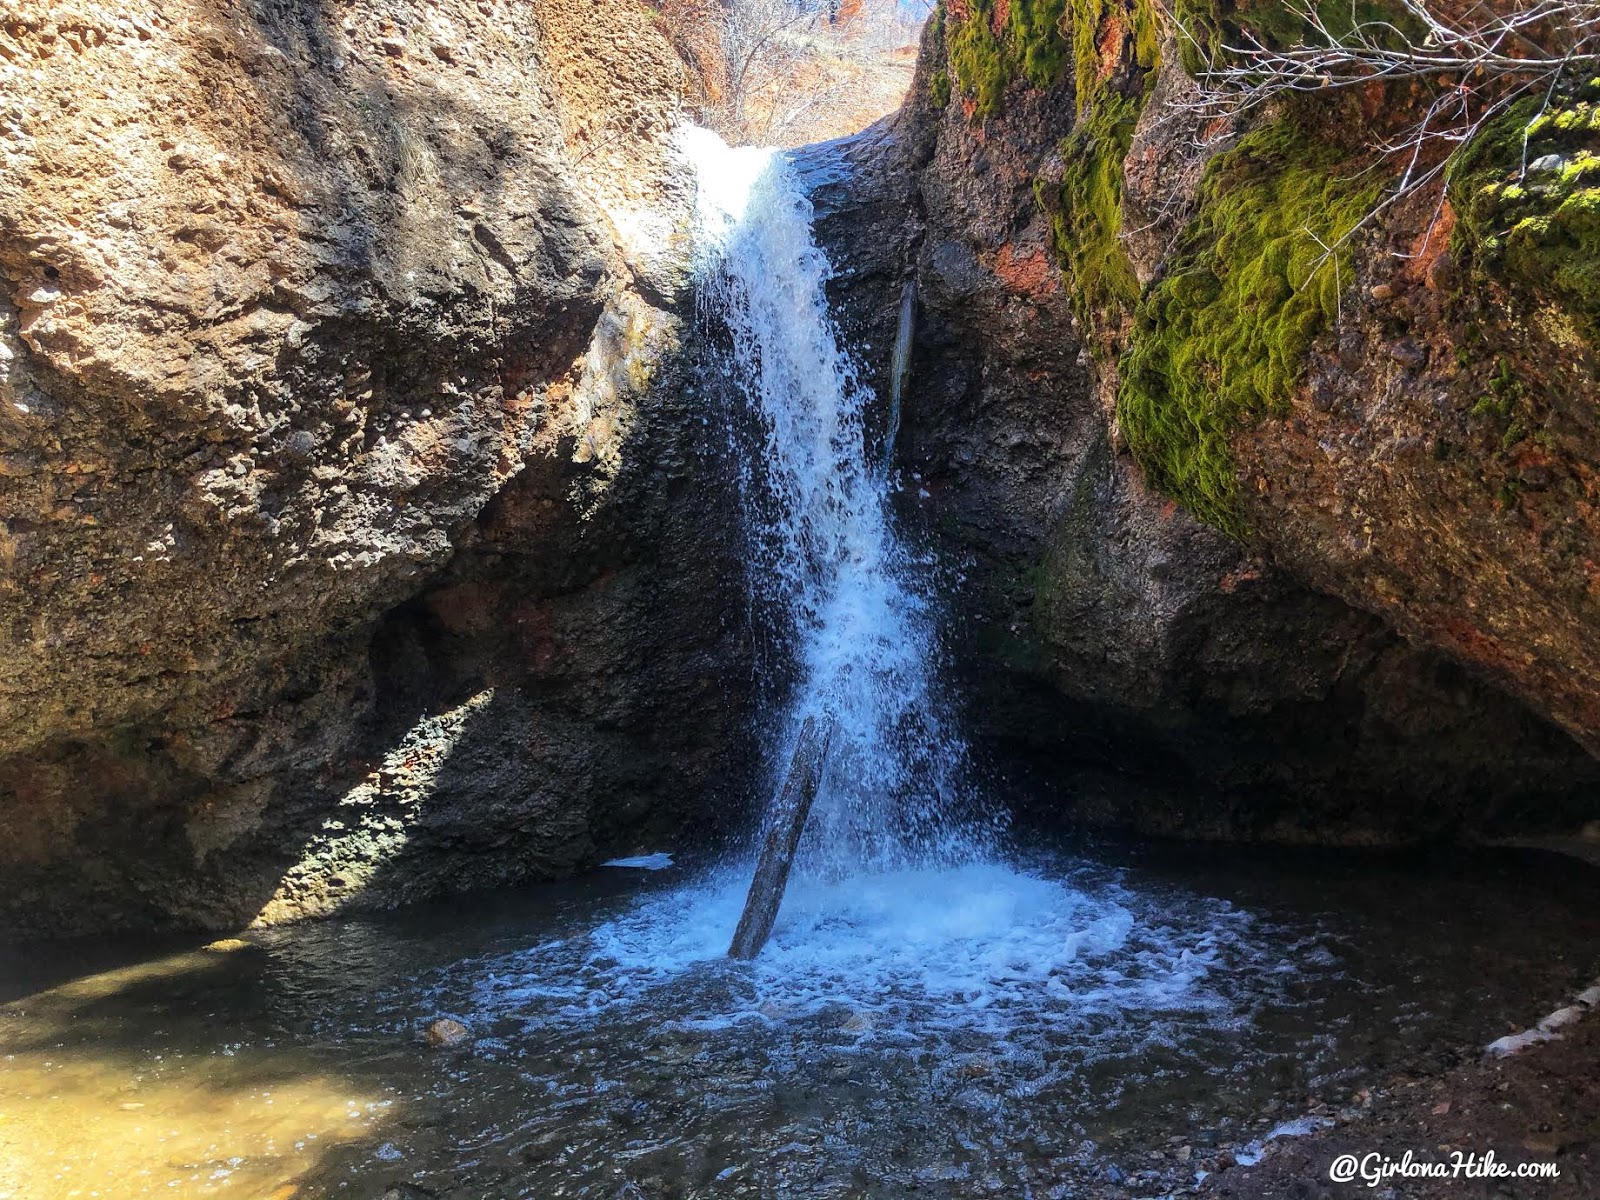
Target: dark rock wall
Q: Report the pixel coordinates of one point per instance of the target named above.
(362, 536)
(1157, 673)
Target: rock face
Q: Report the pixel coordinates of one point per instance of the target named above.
(1439, 464)
(362, 537)
(342, 451)
(1254, 686)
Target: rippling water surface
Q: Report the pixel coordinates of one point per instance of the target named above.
(1047, 1029)
(929, 1016)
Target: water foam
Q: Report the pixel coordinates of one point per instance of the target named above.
(982, 947)
(900, 912)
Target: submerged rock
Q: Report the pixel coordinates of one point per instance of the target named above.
(448, 1032)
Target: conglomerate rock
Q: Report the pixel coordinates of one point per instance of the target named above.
(288, 293)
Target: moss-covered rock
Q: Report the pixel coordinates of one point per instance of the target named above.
(1221, 338)
(1087, 217)
(988, 51)
(1110, 47)
(1208, 27)
(1114, 59)
(1527, 190)
(1100, 623)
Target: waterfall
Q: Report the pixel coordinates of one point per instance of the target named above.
(825, 553)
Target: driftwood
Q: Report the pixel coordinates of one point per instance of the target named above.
(900, 367)
(783, 836)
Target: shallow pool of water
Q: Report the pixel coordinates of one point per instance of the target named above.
(1041, 1028)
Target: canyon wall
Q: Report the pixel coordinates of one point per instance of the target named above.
(1335, 611)
(364, 537)
(345, 448)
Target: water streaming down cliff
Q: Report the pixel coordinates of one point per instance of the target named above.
(929, 1016)
(900, 367)
(825, 554)
(902, 901)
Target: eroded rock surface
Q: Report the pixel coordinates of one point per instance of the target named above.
(1101, 630)
(288, 293)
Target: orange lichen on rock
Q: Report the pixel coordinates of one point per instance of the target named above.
(1109, 45)
(1429, 247)
(1029, 272)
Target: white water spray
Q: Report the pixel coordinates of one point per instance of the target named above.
(900, 909)
(825, 548)
(906, 947)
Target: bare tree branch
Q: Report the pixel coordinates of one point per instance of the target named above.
(1478, 59)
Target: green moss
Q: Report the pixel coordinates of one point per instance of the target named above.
(1087, 220)
(1088, 24)
(977, 59)
(939, 88)
(1538, 229)
(1031, 45)
(1038, 41)
(1220, 340)
(1504, 391)
(1034, 30)
(1213, 24)
(1504, 407)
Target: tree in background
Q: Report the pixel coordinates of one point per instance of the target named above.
(790, 71)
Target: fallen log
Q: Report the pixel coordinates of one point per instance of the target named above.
(783, 837)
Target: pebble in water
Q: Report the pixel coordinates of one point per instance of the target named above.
(448, 1032)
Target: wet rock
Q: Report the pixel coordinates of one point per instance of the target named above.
(1407, 353)
(1441, 274)
(1536, 476)
(447, 1031)
(956, 269)
(1195, 685)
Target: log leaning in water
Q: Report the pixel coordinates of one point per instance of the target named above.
(783, 836)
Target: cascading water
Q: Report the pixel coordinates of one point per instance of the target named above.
(928, 1018)
(824, 547)
(911, 961)
(901, 903)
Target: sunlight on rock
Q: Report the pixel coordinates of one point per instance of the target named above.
(370, 825)
(631, 342)
(926, 481)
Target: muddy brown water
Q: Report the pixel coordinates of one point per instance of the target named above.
(1028, 1030)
